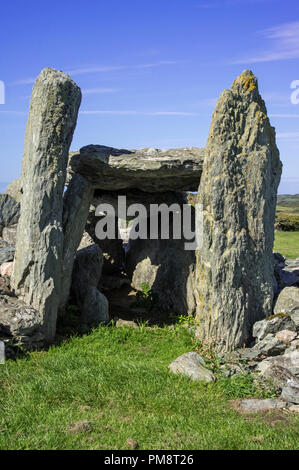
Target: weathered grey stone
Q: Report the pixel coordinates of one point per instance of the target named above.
(166, 267)
(192, 365)
(237, 195)
(7, 252)
(289, 361)
(255, 404)
(149, 170)
(9, 234)
(119, 323)
(286, 272)
(6, 269)
(288, 301)
(38, 259)
(295, 318)
(278, 375)
(290, 392)
(293, 346)
(86, 276)
(14, 190)
(20, 321)
(95, 308)
(9, 211)
(86, 241)
(286, 336)
(5, 286)
(270, 346)
(294, 408)
(76, 205)
(272, 325)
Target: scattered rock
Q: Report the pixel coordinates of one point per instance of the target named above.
(270, 346)
(9, 235)
(286, 272)
(7, 252)
(192, 365)
(119, 323)
(272, 325)
(290, 392)
(132, 444)
(279, 368)
(288, 301)
(286, 336)
(294, 408)
(255, 404)
(21, 322)
(5, 286)
(80, 426)
(6, 269)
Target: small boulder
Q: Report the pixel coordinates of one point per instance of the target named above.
(192, 365)
(288, 301)
(289, 362)
(14, 190)
(9, 234)
(272, 325)
(7, 252)
(6, 269)
(290, 392)
(255, 405)
(119, 323)
(286, 336)
(270, 346)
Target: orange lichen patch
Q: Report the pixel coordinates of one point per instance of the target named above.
(247, 80)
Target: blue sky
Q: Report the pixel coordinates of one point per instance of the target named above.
(150, 71)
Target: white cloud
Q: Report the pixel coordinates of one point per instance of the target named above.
(284, 41)
(14, 113)
(98, 91)
(23, 81)
(288, 135)
(100, 69)
(138, 113)
(284, 116)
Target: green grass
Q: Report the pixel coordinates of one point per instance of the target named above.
(287, 243)
(116, 383)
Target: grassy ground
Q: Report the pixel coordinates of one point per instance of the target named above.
(99, 390)
(287, 243)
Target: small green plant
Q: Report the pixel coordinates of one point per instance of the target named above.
(146, 297)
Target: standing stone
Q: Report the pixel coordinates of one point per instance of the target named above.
(237, 197)
(38, 260)
(76, 204)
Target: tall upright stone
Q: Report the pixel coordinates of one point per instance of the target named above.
(237, 200)
(38, 260)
